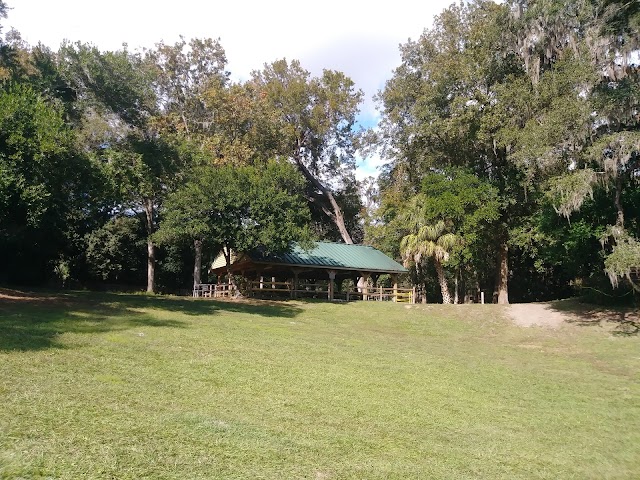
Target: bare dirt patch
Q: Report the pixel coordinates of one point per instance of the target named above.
(10, 294)
(622, 320)
(536, 314)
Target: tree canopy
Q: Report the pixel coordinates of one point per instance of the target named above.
(537, 99)
(235, 209)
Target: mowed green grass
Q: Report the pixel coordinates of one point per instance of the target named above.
(131, 386)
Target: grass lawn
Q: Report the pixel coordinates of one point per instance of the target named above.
(132, 386)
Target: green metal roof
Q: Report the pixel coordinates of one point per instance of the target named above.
(335, 255)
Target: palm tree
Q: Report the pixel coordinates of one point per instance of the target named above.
(430, 241)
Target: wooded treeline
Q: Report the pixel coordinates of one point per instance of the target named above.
(124, 167)
(510, 133)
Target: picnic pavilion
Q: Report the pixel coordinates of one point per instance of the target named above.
(322, 272)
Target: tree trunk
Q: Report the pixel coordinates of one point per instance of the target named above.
(444, 288)
(421, 288)
(197, 266)
(502, 278)
(338, 219)
(456, 296)
(618, 203)
(151, 266)
(335, 212)
(151, 248)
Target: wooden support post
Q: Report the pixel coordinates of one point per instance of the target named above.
(294, 287)
(364, 280)
(332, 277)
(394, 279)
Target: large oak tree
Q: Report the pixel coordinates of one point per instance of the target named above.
(312, 123)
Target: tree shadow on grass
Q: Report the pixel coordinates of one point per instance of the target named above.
(34, 320)
(623, 321)
(263, 308)
(195, 306)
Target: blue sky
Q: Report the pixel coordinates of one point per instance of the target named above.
(359, 38)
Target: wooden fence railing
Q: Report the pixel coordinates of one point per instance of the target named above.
(268, 288)
(321, 290)
(381, 294)
(317, 290)
(257, 286)
(213, 290)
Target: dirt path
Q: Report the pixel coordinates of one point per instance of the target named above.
(536, 314)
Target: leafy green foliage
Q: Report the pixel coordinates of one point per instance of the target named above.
(278, 214)
(33, 142)
(238, 208)
(467, 204)
(43, 183)
(113, 251)
(114, 85)
(624, 258)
